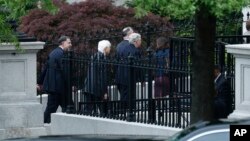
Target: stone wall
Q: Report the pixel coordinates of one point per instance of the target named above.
(21, 113)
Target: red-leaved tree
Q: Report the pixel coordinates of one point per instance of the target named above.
(86, 23)
(84, 19)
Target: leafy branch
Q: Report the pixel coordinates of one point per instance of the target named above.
(13, 10)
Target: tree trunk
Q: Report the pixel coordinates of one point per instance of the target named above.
(203, 65)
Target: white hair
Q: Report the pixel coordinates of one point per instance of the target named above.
(103, 44)
(134, 37)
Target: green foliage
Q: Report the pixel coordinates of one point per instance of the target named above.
(181, 13)
(14, 9)
(178, 9)
(230, 24)
(19, 8)
(183, 9)
(221, 7)
(7, 34)
(48, 5)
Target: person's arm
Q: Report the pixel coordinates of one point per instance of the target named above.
(223, 91)
(42, 76)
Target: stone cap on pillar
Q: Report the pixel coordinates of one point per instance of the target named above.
(27, 46)
(27, 43)
(238, 49)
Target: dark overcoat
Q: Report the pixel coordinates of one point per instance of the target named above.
(122, 69)
(96, 82)
(53, 76)
(223, 99)
(120, 47)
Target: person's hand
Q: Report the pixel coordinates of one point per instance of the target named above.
(105, 96)
(39, 87)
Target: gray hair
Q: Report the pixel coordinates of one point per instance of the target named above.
(62, 39)
(134, 37)
(127, 30)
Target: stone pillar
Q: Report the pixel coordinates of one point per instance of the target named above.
(21, 114)
(241, 53)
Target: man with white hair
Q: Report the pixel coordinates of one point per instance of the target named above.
(135, 39)
(134, 43)
(96, 82)
(122, 77)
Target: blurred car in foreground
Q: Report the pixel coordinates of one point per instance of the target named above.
(201, 131)
(92, 138)
(208, 131)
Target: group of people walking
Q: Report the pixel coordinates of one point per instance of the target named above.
(53, 81)
(96, 83)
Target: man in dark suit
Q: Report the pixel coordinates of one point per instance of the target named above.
(223, 97)
(122, 52)
(120, 47)
(53, 80)
(96, 82)
(122, 76)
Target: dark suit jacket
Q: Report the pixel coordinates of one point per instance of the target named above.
(120, 47)
(223, 98)
(122, 70)
(52, 77)
(96, 82)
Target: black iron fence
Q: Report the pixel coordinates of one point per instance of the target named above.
(142, 105)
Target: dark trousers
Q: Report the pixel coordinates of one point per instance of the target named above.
(93, 104)
(124, 93)
(220, 109)
(123, 89)
(54, 100)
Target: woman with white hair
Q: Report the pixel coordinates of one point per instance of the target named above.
(96, 81)
(104, 47)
